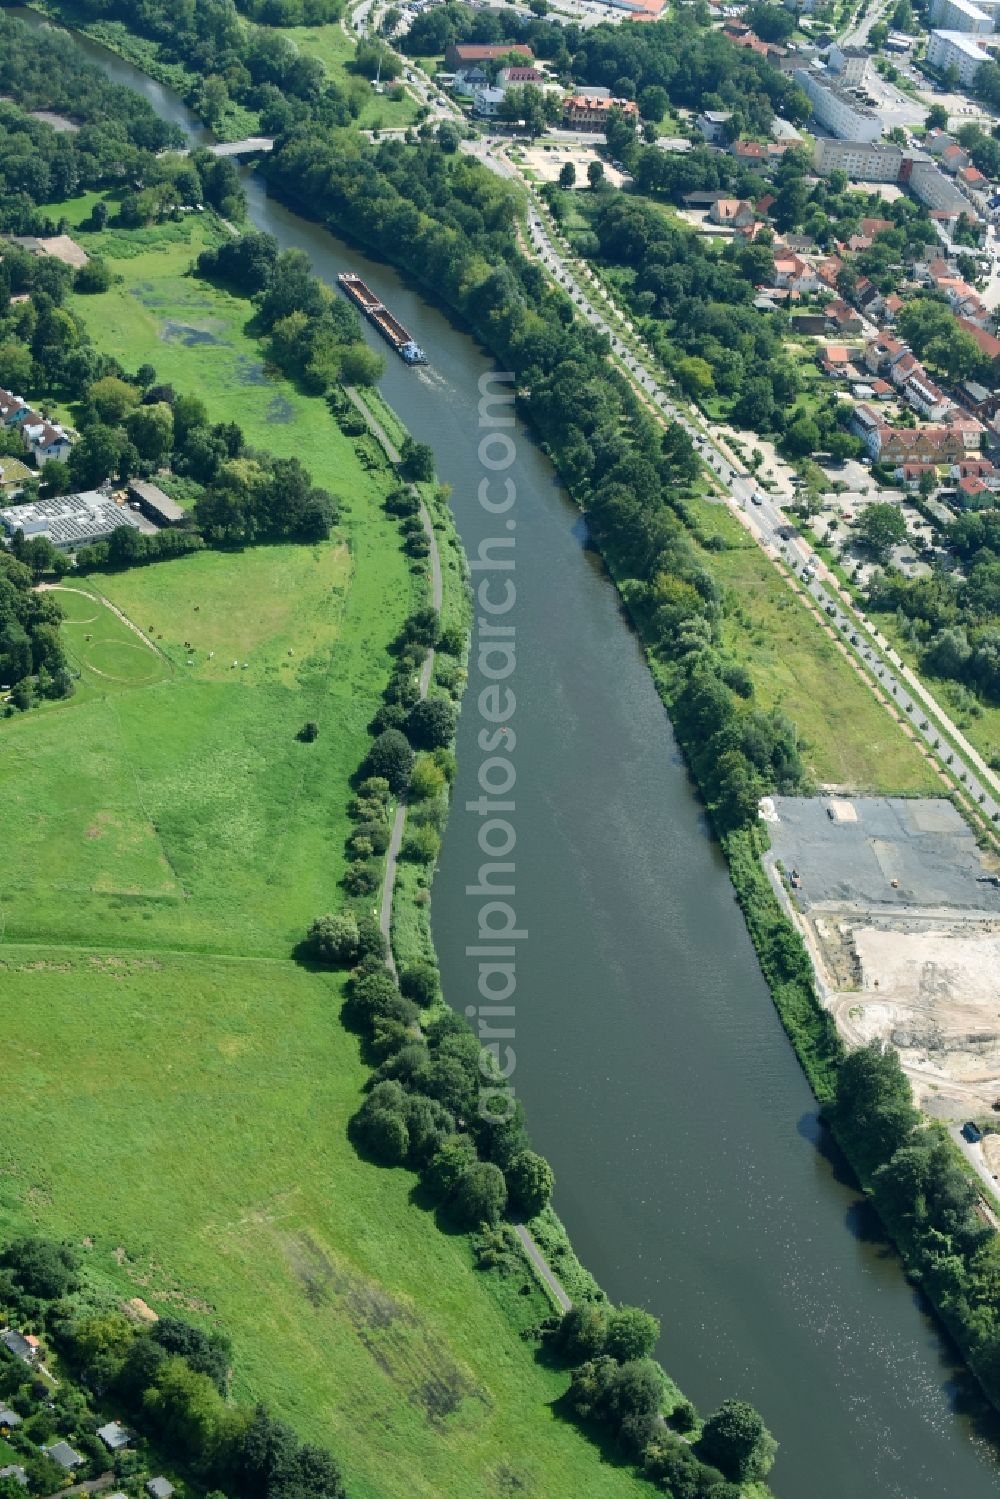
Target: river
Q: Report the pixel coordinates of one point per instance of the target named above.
(692, 1172)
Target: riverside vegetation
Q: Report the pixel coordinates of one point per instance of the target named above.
(150, 858)
(641, 525)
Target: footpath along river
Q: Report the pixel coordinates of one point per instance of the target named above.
(691, 1169)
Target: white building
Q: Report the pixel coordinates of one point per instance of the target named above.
(863, 161)
(849, 63)
(837, 108)
(929, 184)
(486, 102)
(70, 520)
(956, 49)
(712, 123)
(962, 15)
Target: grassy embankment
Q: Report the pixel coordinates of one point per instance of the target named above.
(331, 46)
(167, 839)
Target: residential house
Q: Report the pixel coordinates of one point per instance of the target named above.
(973, 493)
(114, 1436)
(956, 49)
(897, 445)
(891, 307)
(882, 390)
(15, 1471)
(969, 428)
(734, 213)
(44, 440)
(714, 124)
(903, 368)
(159, 1488)
(63, 1454)
(882, 352)
(520, 76)
(982, 403)
(989, 345)
(9, 1419)
(469, 80)
(21, 1345)
(968, 468)
(849, 63)
(973, 182)
(953, 159)
(924, 396)
(841, 317)
(795, 273)
(584, 112)
(486, 102)
(12, 408)
(911, 474)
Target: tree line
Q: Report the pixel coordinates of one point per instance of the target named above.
(169, 1380)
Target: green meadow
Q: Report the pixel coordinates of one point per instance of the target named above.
(177, 1090)
(331, 46)
(187, 1119)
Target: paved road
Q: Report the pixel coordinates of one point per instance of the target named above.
(766, 522)
(974, 1155)
(543, 1267)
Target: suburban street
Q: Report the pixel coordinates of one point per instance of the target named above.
(893, 683)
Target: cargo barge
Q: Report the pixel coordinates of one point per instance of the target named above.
(376, 312)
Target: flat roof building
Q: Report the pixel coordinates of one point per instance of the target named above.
(68, 521)
(863, 161)
(837, 107)
(956, 49)
(152, 501)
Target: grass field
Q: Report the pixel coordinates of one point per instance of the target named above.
(334, 49)
(198, 1139)
(848, 738)
(176, 1090)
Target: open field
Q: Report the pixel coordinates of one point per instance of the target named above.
(102, 648)
(188, 814)
(850, 740)
(334, 49)
(198, 1138)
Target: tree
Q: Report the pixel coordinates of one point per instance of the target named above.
(632, 1333)
(802, 437)
(530, 1180)
(392, 758)
(94, 458)
(736, 1441)
(416, 460)
(873, 1106)
(92, 278)
(151, 429)
(431, 723)
(360, 365)
(880, 528)
(654, 102)
(113, 399)
(595, 173)
(567, 176)
(40, 1267)
(334, 939)
(308, 732)
(937, 118)
(481, 1194)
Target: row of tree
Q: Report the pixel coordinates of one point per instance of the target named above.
(926, 1200)
(169, 1380)
(32, 657)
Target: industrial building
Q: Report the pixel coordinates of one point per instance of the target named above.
(70, 520)
(154, 504)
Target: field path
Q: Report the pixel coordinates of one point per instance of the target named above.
(535, 1256)
(100, 599)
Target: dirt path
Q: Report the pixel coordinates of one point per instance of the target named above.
(107, 604)
(399, 821)
(537, 1259)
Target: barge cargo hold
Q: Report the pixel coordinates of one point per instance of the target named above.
(376, 312)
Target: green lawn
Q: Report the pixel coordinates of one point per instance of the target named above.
(335, 50)
(849, 738)
(187, 1118)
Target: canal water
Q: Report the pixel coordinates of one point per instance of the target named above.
(691, 1168)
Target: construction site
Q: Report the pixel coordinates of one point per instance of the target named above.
(900, 911)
